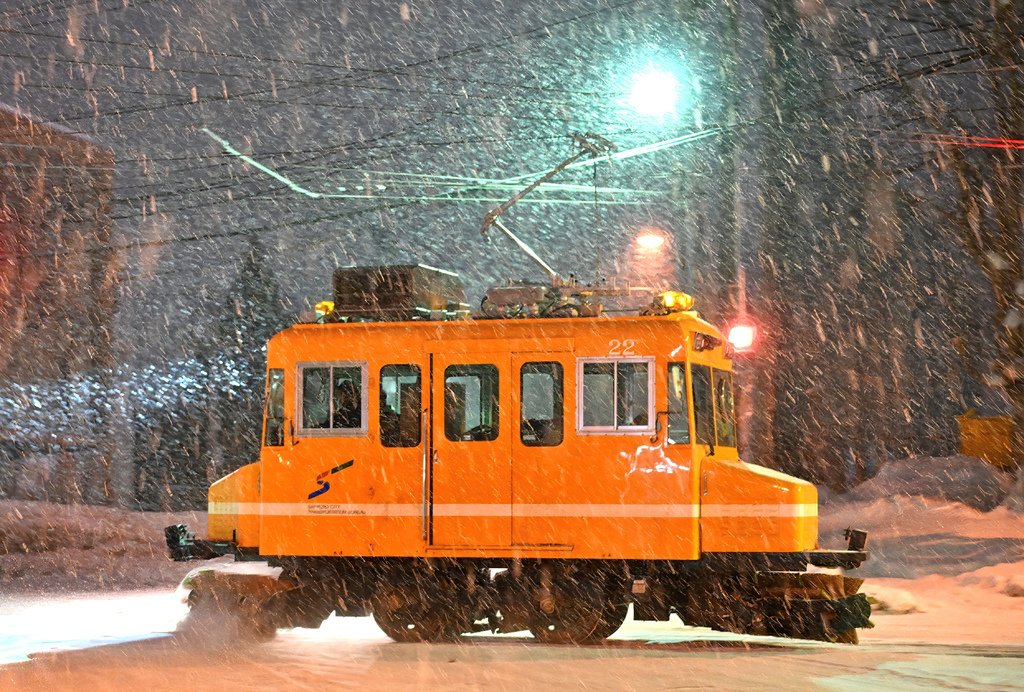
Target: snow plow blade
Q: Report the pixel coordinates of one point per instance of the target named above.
(233, 606)
(823, 607)
(251, 601)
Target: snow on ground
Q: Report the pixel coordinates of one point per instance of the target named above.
(946, 610)
(940, 570)
(929, 515)
(33, 624)
(955, 625)
(351, 653)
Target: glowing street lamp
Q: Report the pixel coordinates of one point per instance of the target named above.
(654, 93)
(651, 259)
(650, 241)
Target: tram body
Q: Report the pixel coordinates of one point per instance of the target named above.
(592, 459)
(659, 481)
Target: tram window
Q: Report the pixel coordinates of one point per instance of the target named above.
(400, 402)
(678, 415)
(316, 398)
(332, 398)
(725, 412)
(471, 403)
(632, 403)
(540, 404)
(274, 434)
(599, 395)
(347, 407)
(615, 395)
(703, 408)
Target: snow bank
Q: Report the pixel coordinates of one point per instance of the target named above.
(1014, 588)
(964, 479)
(889, 599)
(46, 546)
(912, 537)
(1006, 578)
(929, 516)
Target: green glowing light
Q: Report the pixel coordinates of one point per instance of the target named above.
(655, 93)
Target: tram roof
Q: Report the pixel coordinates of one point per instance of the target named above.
(474, 328)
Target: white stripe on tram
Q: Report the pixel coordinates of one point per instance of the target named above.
(620, 511)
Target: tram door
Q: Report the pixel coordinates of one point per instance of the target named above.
(538, 398)
(470, 458)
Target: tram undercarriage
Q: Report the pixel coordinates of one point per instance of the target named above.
(557, 601)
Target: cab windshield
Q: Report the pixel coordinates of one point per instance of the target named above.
(714, 415)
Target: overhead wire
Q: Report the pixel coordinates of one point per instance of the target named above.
(337, 216)
(466, 50)
(224, 159)
(380, 181)
(913, 74)
(255, 57)
(922, 71)
(322, 153)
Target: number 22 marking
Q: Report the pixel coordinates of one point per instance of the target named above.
(622, 348)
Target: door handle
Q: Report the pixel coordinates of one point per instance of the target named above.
(435, 456)
(657, 425)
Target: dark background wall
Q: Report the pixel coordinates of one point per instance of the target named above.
(58, 301)
(58, 293)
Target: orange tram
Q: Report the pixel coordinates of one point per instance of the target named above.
(451, 474)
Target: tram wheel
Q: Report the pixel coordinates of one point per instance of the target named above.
(405, 615)
(576, 618)
(612, 616)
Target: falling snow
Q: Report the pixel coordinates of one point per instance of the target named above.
(179, 179)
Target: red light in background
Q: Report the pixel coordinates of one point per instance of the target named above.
(969, 140)
(742, 336)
